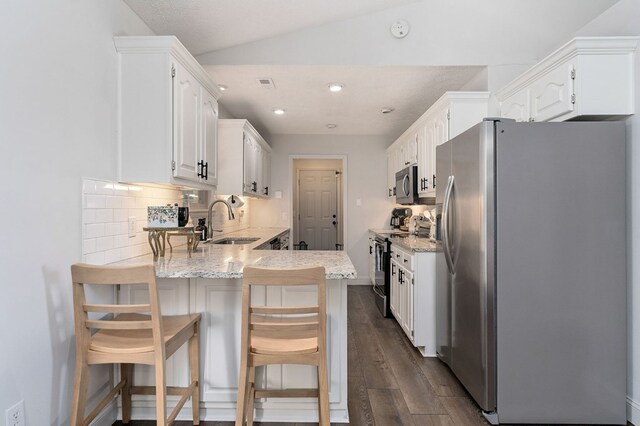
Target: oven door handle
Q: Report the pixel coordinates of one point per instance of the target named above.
(377, 291)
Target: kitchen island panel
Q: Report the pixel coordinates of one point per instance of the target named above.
(220, 302)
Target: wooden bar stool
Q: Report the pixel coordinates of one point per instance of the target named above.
(296, 335)
(131, 337)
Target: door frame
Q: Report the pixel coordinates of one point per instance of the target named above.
(342, 197)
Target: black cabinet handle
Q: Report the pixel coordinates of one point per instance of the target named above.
(266, 190)
(254, 186)
(394, 190)
(401, 276)
(405, 260)
(370, 250)
(393, 269)
(205, 166)
(334, 222)
(433, 181)
(201, 168)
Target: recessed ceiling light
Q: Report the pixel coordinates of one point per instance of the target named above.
(278, 111)
(222, 87)
(331, 126)
(387, 110)
(335, 87)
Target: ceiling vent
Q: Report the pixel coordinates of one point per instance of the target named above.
(266, 83)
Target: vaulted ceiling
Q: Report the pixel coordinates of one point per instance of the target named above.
(303, 45)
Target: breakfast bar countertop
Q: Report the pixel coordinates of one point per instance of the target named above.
(228, 261)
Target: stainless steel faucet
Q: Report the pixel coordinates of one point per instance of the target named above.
(231, 215)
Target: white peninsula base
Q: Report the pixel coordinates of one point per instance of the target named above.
(219, 301)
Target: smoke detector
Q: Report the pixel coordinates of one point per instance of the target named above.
(400, 28)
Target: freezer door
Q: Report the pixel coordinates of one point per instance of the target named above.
(443, 277)
(471, 248)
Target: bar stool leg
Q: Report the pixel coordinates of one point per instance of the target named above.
(79, 393)
(323, 392)
(126, 373)
(194, 368)
(161, 396)
(243, 391)
(252, 395)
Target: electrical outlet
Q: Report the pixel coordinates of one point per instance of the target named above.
(15, 415)
(132, 226)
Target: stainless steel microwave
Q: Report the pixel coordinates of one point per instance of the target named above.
(407, 185)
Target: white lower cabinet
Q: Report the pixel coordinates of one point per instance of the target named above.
(412, 298)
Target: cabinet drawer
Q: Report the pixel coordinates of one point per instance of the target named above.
(407, 261)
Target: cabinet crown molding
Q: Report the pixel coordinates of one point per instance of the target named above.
(170, 45)
(576, 46)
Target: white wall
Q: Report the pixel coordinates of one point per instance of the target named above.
(366, 180)
(58, 121)
(624, 19)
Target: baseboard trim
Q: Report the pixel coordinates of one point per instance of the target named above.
(633, 411)
(359, 281)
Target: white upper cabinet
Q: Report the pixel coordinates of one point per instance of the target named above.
(245, 168)
(167, 115)
(587, 77)
(449, 116)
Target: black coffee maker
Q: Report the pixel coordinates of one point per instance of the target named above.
(398, 216)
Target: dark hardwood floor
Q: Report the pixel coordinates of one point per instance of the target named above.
(389, 382)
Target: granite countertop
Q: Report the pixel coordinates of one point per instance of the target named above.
(228, 261)
(406, 241)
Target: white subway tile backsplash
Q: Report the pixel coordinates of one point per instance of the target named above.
(94, 201)
(105, 243)
(111, 256)
(128, 202)
(88, 245)
(96, 258)
(113, 202)
(112, 228)
(120, 215)
(89, 216)
(106, 210)
(104, 215)
(104, 188)
(94, 230)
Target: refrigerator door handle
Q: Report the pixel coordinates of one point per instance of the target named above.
(445, 224)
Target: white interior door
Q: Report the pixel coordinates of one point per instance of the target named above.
(317, 209)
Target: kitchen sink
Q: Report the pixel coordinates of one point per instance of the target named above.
(245, 240)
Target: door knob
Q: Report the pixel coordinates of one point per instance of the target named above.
(334, 216)
(334, 222)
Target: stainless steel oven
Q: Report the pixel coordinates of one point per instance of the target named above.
(382, 286)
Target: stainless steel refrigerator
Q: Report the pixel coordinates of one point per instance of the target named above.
(531, 278)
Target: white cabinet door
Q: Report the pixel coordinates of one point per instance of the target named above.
(250, 182)
(186, 124)
(441, 127)
(209, 139)
(396, 291)
(391, 173)
(516, 106)
(426, 160)
(266, 173)
(407, 302)
(551, 95)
